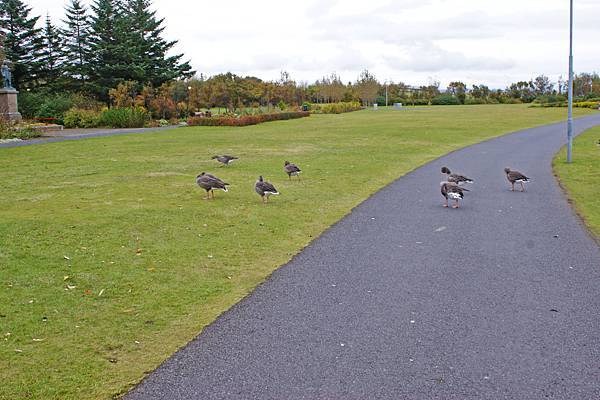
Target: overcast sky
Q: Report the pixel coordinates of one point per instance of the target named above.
(476, 41)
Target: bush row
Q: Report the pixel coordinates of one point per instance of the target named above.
(579, 104)
(131, 117)
(335, 108)
(245, 119)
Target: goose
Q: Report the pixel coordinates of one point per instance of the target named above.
(292, 170)
(515, 177)
(456, 178)
(209, 183)
(264, 189)
(452, 191)
(225, 159)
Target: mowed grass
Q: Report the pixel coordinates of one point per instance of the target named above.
(582, 177)
(110, 260)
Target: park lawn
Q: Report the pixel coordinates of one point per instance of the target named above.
(110, 260)
(581, 178)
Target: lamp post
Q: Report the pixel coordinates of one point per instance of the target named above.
(570, 118)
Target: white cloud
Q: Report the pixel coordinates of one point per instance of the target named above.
(490, 41)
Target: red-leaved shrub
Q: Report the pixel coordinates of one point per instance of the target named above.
(245, 120)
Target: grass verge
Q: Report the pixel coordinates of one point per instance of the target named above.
(110, 260)
(581, 179)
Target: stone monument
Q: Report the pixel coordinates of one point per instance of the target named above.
(8, 95)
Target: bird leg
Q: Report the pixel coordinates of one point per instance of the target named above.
(289, 177)
(513, 186)
(456, 204)
(522, 187)
(446, 203)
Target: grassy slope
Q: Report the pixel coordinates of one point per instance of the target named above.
(582, 177)
(97, 201)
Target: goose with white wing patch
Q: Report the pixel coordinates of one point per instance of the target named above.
(209, 183)
(264, 189)
(451, 191)
(292, 170)
(515, 177)
(456, 178)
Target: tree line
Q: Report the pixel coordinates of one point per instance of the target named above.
(114, 52)
(93, 50)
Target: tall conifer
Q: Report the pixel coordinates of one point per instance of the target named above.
(76, 49)
(22, 42)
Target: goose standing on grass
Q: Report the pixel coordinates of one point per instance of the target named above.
(452, 191)
(225, 159)
(264, 189)
(456, 178)
(515, 177)
(292, 170)
(209, 183)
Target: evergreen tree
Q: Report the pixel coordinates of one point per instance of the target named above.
(51, 58)
(22, 42)
(110, 60)
(148, 48)
(76, 49)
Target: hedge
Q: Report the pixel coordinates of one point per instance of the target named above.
(245, 120)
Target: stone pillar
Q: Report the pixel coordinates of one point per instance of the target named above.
(8, 105)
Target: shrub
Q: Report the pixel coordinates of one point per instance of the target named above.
(445, 100)
(336, 108)
(246, 120)
(133, 117)
(30, 103)
(54, 108)
(8, 130)
(78, 118)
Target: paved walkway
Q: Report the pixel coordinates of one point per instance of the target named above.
(76, 134)
(404, 299)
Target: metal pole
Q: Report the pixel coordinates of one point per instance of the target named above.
(386, 94)
(570, 119)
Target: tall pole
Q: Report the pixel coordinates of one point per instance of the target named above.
(570, 119)
(386, 93)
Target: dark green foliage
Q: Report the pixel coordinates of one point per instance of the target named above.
(30, 103)
(51, 56)
(22, 42)
(54, 107)
(445, 100)
(76, 50)
(132, 117)
(149, 49)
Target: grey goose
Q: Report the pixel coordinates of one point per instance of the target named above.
(264, 189)
(515, 177)
(209, 183)
(456, 178)
(451, 191)
(225, 159)
(291, 169)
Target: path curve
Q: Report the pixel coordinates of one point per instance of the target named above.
(78, 134)
(404, 299)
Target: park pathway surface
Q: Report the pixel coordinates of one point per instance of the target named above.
(404, 299)
(78, 134)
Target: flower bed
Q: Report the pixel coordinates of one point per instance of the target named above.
(245, 120)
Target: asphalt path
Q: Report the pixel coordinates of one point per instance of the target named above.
(405, 299)
(78, 134)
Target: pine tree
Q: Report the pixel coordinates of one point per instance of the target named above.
(110, 60)
(51, 55)
(22, 42)
(149, 49)
(76, 49)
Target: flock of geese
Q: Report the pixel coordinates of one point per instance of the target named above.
(452, 188)
(264, 189)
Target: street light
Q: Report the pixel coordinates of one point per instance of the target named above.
(570, 118)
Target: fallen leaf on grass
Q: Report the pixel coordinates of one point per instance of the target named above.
(66, 277)
(101, 293)
(38, 340)
(67, 257)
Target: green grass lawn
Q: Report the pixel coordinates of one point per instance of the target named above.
(582, 177)
(110, 260)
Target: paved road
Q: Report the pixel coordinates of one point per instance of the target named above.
(404, 299)
(77, 134)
